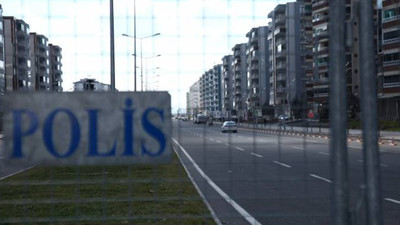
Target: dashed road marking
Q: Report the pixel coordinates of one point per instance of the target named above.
(282, 164)
(298, 148)
(355, 147)
(321, 178)
(383, 165)
(392, 200)
(240, 149)
(260, 156)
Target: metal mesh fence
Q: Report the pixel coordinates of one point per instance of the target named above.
(290, 158)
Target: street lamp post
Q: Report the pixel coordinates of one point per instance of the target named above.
(141, 53)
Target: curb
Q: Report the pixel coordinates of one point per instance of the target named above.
(381, 140)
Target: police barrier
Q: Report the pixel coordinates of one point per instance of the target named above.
(88, 127)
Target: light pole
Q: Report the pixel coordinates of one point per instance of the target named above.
(141, 53)
(154, 56)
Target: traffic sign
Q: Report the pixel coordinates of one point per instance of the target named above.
(311, 114)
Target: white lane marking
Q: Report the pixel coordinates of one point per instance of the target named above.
(323, 153)
(218, 141)
(392, 200)
(260, 156)
(211, 139)
(314, 141)
(227, 145)
(383, 165)
(321, 178)
(19, 171)
(2, 157)
(355, 147)
(226, 197)
(198, 189)
(298, 148)
(240, 149)
(282, 164)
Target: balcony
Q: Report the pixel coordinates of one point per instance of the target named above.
(254, 39)
(279, 31)
(281, 78)
(281, 66)
(321, 34)
(388, 19)
(391, 85)
(281, 54)
(254, 76)
(280, 19)
(254, 67)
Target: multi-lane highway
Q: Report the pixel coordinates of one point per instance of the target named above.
(258, 178)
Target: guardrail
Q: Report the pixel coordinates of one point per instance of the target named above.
(318, 132)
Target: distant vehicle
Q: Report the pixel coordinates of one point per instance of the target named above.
(200, 118)
(184, 118)
(284, 117)
(229, 126)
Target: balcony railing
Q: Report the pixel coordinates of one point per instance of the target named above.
(391, 85)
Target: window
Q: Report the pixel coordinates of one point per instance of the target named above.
(391, 58)
(390, 14)
(391, 36)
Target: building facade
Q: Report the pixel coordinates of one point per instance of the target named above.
(90, 85)
(39, 57)
(258, 72)
(55, 57)
(389, 86)
(193, 100)
(2, 58)
(286, 81)
(17, 58)
(239, 65)
(227, 86)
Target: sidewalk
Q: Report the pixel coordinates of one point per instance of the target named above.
(385, 137)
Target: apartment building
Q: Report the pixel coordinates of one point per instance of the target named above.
(17, 58)
(39, 57)
(239, 65)
(227, 86)
(306, 46)
(284, 37)
(202, 88)
(193, 99)
(258, 73)
(88, 84)
(211, 83)
(55, 57)
(2, 64)
(389, 91)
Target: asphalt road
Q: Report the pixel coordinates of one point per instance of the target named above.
(7, 168)
(258, 178)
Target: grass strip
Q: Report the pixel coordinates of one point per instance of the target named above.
(54, 195)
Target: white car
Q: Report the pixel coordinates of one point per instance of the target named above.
(229, 126)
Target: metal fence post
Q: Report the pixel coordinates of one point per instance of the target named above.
(369, 113)
(338, 109)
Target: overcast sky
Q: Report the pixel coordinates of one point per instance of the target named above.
(195, 35)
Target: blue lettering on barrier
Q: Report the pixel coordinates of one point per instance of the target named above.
(48, 133)
(93, 136)
(18, 134)
(154, 132)
(128, 130)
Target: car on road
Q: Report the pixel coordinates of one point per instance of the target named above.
(284, 117)
(229, 126)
